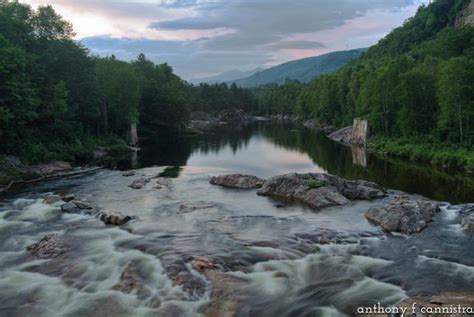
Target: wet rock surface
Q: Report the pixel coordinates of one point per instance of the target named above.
(50, 246)
(343, 135)
(190, 207)
(131, 281)
(442, 305)
(237, 181)
(114, 218)
(139, 183)
(404, 214)
(76, 206)
(128, 173)
(468, 223)
(320, 190)
(226, 294)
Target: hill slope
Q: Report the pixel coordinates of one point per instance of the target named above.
(224, 77)
(304, 70)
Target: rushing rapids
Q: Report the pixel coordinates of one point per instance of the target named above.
(232, 253)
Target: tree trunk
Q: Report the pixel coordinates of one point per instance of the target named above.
(133, 135)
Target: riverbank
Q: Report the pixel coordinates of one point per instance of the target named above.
(447, 156)
(443, 155)
(44, 160)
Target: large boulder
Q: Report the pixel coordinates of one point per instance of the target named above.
(50, 246)
(237, 181)
(319, 190)
(404, 214)
(343, 135)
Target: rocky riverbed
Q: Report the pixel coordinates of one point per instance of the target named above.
(208, 244)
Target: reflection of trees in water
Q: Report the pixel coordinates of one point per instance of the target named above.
(168, 149)
(214, 142)
(391, 173)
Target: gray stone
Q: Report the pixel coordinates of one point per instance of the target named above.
(343, 135)
(237, 181)
(69, 197)
(81, 204)
(404, 214)
(190, 207)
(116, 219)
(128, 173)
(70, 207)
(319, 190)
(139, 183)
(51, 199)
(50, 246)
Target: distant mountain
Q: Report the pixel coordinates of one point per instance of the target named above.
(303, 70)
(224, 77)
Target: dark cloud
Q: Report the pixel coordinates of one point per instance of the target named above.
(257, 31)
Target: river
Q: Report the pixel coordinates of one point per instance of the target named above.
(277, 258)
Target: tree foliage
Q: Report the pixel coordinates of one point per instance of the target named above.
(416, 82)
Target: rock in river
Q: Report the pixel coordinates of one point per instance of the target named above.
(190, 207)
(139, 183)
(50, 246)
(76, 206)
(237, 181)
(319, 190)
(404, 214)
(131, 281)
(468, 223)
(114, 218)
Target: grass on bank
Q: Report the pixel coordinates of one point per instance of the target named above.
(440, 154)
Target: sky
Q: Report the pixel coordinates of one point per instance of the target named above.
(200, 38)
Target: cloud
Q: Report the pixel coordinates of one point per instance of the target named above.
(203, 37)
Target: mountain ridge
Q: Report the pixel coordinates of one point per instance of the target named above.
(304, 70)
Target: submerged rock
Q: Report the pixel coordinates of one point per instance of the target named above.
(237, 181)
(319, 190)
(139, 183)
(50, 246)
(404, 214)
(190, 207)
(131, 281)
(203, 264)
(114, 218)
(164, 182)
(468, 223)
(51, 199)
(226, 294)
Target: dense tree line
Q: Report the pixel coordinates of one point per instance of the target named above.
(216, 97)
(59, 101)
(417, 82)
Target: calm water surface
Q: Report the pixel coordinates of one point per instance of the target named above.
(267, 150)
(277, 258)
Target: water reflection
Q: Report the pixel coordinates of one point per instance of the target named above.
(267, 149)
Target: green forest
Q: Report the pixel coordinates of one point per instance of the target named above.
(416, 88)
(51, 84)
